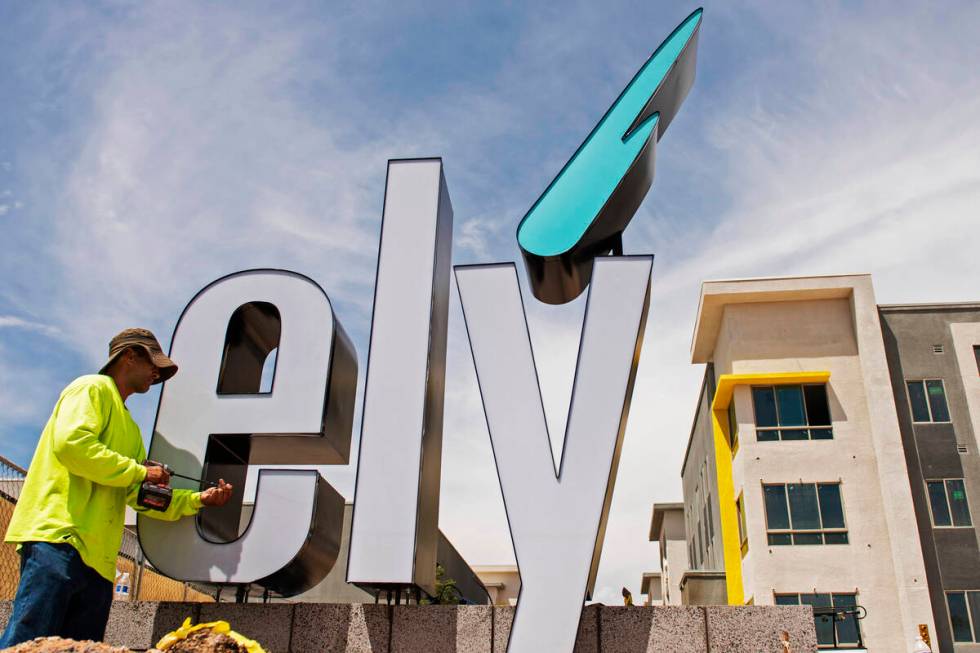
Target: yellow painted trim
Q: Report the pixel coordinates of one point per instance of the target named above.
(727, 382)
(730, 542)
(730, 545)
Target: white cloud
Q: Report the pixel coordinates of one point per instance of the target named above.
(14, 322)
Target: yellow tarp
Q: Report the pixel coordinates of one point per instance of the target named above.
(222, 627)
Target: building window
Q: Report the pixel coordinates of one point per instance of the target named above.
(732, 427)
(804, 513)
(711, 520)
(831, 632)
(947, 499)
(792, 412)
(964, 615)
(928, 400)
(743, 533)
(976, 354)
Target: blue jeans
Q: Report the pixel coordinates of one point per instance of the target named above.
(58, 595)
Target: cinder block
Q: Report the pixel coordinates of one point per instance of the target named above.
(677, 629)
(587, 638)
(441, 629)
(340, 628)
(757, 628)
(270, 624)
(671, 629)
(140, 624)
(624, 629)
(474, 629)
(503, 619)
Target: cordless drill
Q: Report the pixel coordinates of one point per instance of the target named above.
(158, 497)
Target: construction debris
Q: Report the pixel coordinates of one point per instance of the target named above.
(211, 637)
(62, 645)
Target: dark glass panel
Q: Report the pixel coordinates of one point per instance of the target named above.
(803, 505)
(711, 521)
(807, 538)
(795, 434)
(767, 436)
(765, 407)
(789, 398)
(958, 504)
(824, 624)
(816, 600)
(937, 401)
(822, 434)
(958, 617)
(732, 425)
(847, 629)
(973, 598)
(976, 354)
(937, 499)
(830, 505)
(835, 538)
(787, 599)
(817, 408)
(778, 539)
(917, 398)
(777, 516)
(740, 508)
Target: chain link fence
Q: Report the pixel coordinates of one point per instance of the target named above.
(146, 584)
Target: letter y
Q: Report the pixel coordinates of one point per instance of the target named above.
(557, 523)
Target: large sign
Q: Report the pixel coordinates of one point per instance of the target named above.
(213, 420)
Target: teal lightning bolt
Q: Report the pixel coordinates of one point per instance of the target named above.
(584, 210)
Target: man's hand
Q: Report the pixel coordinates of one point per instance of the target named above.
(217, 496)
(156, 473)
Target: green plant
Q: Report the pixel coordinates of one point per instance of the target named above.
(446, 591)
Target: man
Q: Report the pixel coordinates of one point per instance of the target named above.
(89, 464)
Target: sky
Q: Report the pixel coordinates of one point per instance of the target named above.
(149, 148)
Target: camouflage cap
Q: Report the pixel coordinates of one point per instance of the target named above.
(144, 339)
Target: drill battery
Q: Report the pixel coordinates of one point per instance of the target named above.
(154, 497)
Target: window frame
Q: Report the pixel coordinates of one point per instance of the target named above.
(835, 645)
(971, 618)
(949, 505)
(732, 426)
(807, 426)
(743, 527)
(925, 392)
(794, 532)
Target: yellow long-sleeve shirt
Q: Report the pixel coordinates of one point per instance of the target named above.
(87, 467)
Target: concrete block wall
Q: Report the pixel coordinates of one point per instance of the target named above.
(369, 628)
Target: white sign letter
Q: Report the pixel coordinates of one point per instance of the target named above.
(394, 532)
(213, 421)
(557, 524)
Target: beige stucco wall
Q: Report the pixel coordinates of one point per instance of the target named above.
(965, 336)
(503, 582)
(673, 557)
(883, 560)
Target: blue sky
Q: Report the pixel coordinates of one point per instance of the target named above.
(148, 148)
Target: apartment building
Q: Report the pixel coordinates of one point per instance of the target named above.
(796, 482)
(667, 529)
(933, 354)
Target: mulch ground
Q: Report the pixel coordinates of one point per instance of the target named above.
(61, 645)
(202, 641)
